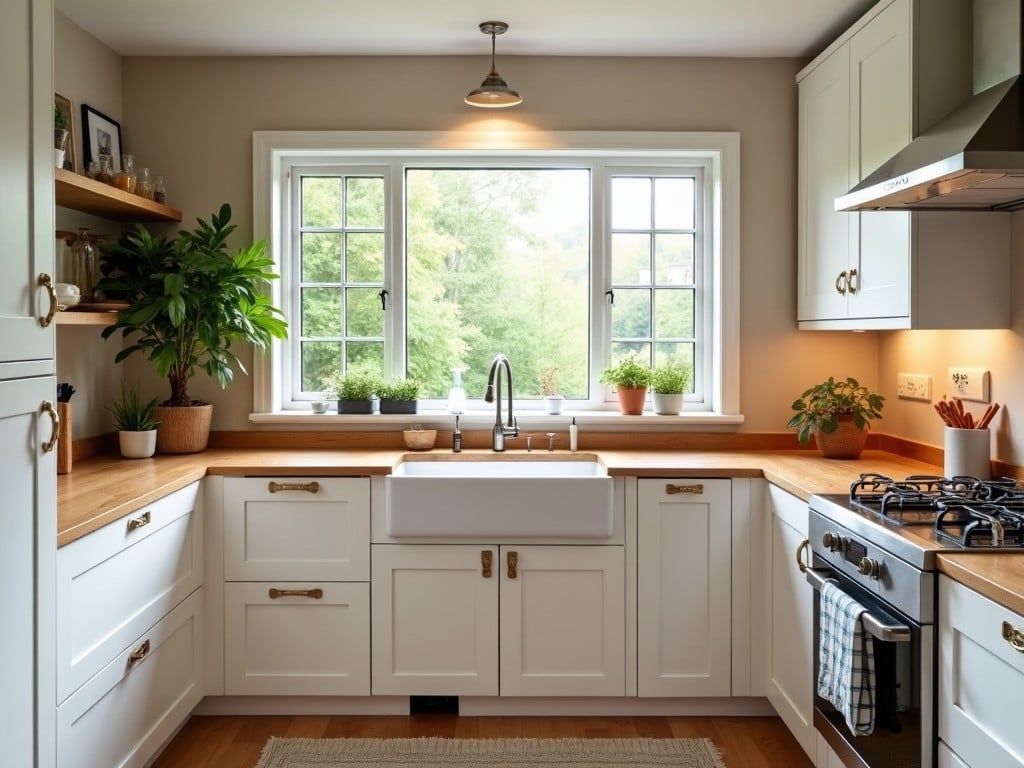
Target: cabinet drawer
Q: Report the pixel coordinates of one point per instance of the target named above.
(117, 582)
(981, 679)
(130, 708)
(316, 643)
(297, 529)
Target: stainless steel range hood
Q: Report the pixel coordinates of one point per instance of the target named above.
(973, 158)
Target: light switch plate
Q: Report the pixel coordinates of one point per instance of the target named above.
(914, 386)
(968, 384)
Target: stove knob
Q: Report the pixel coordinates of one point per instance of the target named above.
(869, 567)
(831, 541)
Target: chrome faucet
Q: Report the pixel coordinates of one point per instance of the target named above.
(501, 431)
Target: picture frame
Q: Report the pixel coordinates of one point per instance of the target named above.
(101, 135)
(70, 155)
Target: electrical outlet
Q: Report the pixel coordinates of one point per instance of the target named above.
(968, 384)
(914, 386)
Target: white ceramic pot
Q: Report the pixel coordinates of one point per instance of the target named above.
(137, 445)
(58, 158)
(553, 404)
(667, 405)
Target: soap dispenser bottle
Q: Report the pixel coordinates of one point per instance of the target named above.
(456, 395)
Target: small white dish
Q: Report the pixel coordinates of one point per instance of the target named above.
(66, 302)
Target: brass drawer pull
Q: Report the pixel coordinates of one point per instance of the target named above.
(486, 560)
(513, 562)
(138, 654)
(841, 282)
(316, 594)
(1013, 636)
(49, 410)
(310, 487)
(800, 552)
(694, 489)
(47, 282)
(137, 522)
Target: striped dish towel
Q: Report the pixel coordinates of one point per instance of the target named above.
(846, 674)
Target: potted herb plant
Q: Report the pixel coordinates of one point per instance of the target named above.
(354, 389)
(398, 395)
(837, 414)
(61, 126)
(190, 302)
(136, 423)
(669, 383)
(630, 379)
(549, 389)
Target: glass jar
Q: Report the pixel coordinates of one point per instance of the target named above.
(144, 185)
(106, 172)
(125, 178)
(159, 193)
(84, 259)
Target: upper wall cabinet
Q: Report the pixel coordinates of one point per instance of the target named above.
(900, 68)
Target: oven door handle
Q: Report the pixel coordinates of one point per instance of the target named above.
(882, 629)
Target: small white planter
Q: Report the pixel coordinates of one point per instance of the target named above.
(58, 158)
(553, 404)
(667, 405)
(137, 445)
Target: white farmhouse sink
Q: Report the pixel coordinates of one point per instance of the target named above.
(569, 498)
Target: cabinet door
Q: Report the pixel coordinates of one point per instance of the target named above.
(684, 583)
(881, 99)
(790, 617)
(825, 236)
(28, 536)
(563, 621)
(981, 678)
(26, 178)
(435, 620)
(297, 639)
(299, 529)
(948, 758)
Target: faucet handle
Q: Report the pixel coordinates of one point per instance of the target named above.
(551, 441)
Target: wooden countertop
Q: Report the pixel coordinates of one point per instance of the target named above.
(101, 490)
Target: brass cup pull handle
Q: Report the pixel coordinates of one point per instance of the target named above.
(842, 282)
(512, 560)
(49, 410)
(486, 561)
(1013, 636)
(47, 282)
(852, 283)
(800, 552)
(310, 487)
(315, 594)
(138, 654)
(696, 489)
(138, 522)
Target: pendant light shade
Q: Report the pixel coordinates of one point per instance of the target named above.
(493, 91)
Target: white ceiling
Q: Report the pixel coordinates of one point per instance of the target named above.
(787, 28)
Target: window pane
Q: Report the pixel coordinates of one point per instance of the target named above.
(368, 355)
(319, 360)
(321, 202)
(321, 312)
(676, 352)
(673, 259)
(631, 259)
(623, 349)
(631, 203)
(365, 257)
(321, 258)
(364, 203)
(631, 315)
(673, 203)
(363, 312)
(498, 261)
(673, 314)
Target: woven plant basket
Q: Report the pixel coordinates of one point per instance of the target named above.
(845, 443)
(183, 429)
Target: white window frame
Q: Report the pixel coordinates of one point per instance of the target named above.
(718, 153)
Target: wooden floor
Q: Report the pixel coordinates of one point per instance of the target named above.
(236, 742)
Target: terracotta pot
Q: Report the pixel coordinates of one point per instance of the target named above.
(845, 443)
(183, 429)
(631, 401)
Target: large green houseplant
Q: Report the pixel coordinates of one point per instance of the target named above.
(837, 413)
(189, 303)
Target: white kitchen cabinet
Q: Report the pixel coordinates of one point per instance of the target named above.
(981, 678)
(437, 611)
(904, 65)
(296, 592)
(684, 587)
(790, 606)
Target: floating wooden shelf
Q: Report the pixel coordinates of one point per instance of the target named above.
(90, 196)
(85, 318)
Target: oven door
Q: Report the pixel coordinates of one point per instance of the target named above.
(904, 714)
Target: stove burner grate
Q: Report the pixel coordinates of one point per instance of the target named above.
(975, 524)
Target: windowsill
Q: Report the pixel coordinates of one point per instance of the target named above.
(605, 421)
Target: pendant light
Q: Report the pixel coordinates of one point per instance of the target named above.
(494, 91)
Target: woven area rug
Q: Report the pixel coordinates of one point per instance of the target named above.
(490, 753)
